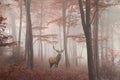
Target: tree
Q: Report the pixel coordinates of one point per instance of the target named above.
(64, 33)
(41, 24)
(20, 27)
(86, 23)
(29, 37)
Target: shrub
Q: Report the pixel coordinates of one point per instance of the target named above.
(15, 59)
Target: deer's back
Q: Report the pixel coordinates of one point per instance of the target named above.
(52, 59)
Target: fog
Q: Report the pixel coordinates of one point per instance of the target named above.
(50, 27)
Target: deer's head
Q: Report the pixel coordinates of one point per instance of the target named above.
(58, 51)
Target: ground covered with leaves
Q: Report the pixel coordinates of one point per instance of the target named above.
(17, 71)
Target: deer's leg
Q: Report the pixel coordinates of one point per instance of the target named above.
(56, 65)
(50, 65)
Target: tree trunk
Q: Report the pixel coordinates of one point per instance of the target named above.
(29, 37)
(75, 54)
(20, 28)
(65, 34)
(107, 31)
(87, 30)
(41, 24)
(101, 45)
(60, 37)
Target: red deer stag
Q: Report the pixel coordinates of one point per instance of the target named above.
(55, 60)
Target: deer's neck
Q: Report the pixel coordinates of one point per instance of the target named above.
(58, 57)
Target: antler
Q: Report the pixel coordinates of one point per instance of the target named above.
(54, 48)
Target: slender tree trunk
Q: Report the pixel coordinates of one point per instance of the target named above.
(65, 34)
(107, 31)
(20, 28)
(29, 37)
(75, 54)
(102, 42)
(81, 52)
(101, 45)
(41, 24)
(60, 37)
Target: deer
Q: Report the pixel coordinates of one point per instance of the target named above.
(56, 59)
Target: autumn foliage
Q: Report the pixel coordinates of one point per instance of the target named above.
(17, 71)
(5, 38)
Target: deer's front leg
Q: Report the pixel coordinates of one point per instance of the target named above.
(51, 65)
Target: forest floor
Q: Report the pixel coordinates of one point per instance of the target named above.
(17, 71)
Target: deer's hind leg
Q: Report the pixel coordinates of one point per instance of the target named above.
(56, 65)
(51, 65)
